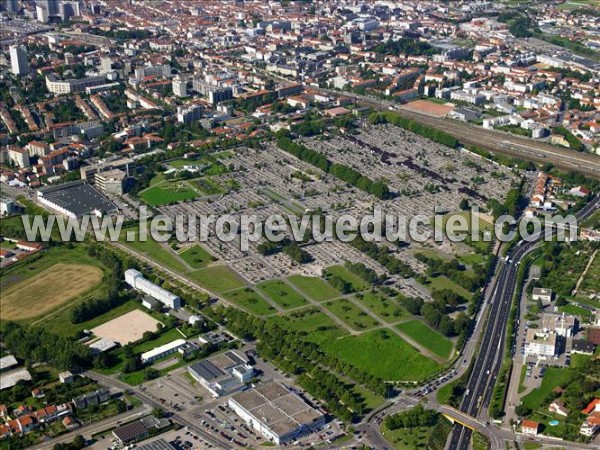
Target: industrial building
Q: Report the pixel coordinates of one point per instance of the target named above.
(222, 374)
(277, 413)
(162, 351)
(76, 199)
(136, 280)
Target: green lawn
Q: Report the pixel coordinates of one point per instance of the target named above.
(386, 308)
(168, 192)
(250, 300)
(431, 438)
(60, 323)
(197, 257)
(384, 355)
(35, 264)
(357, 283)
(217, 278)
(352, 315)
(553, 377)
(442, 282)
(427, 337)
(317, 326)
(282, 294)
(152, 249)
(370, 400)
(313, 287)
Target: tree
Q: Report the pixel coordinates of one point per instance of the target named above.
(464, 204)
(79, 442)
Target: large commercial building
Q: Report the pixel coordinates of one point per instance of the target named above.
(276, 413)
(222, 374)
(136, 280)
(18, 60)
(58, 87)
(76, 199)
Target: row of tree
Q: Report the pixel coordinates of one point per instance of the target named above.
(35, 344)
(412, 418)
(367, 274)
(347, 174)
(440, 137)
(290, 351)
(382, 255)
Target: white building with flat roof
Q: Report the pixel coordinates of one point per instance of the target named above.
(136, 280)
(540, 343)
(162, 351)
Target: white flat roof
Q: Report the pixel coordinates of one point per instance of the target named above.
(163, 348)
(9, 379)
(7, 362)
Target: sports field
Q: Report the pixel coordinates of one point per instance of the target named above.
(47, 290)
(313, 287)
(282, 294)
(428, 338)
(384, 355)
(127, 328)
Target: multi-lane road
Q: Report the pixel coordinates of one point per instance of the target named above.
(492, 345)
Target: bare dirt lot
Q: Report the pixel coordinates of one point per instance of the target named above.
(47, 290)
(127, 328)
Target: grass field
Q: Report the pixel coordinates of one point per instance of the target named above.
(357, 283)
(428, 338)
(153, 250)
(352, 315)
(442, 282)
(313, 287)
(552, 378)
(382, 305)
(282, 294)
(167, 192)
(20, 275)
(217, 278)
(383, 354)
(250, 300)
(48, 290)
(197, 257)
(60, 322)
(317, 326)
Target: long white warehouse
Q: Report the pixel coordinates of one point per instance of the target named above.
(136, 280)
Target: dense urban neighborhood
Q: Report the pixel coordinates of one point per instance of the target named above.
(170, 175)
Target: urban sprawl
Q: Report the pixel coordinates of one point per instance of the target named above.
(325, 109)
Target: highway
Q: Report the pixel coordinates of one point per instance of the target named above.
(492, 345)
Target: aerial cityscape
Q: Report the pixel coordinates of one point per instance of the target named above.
(303, 224)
